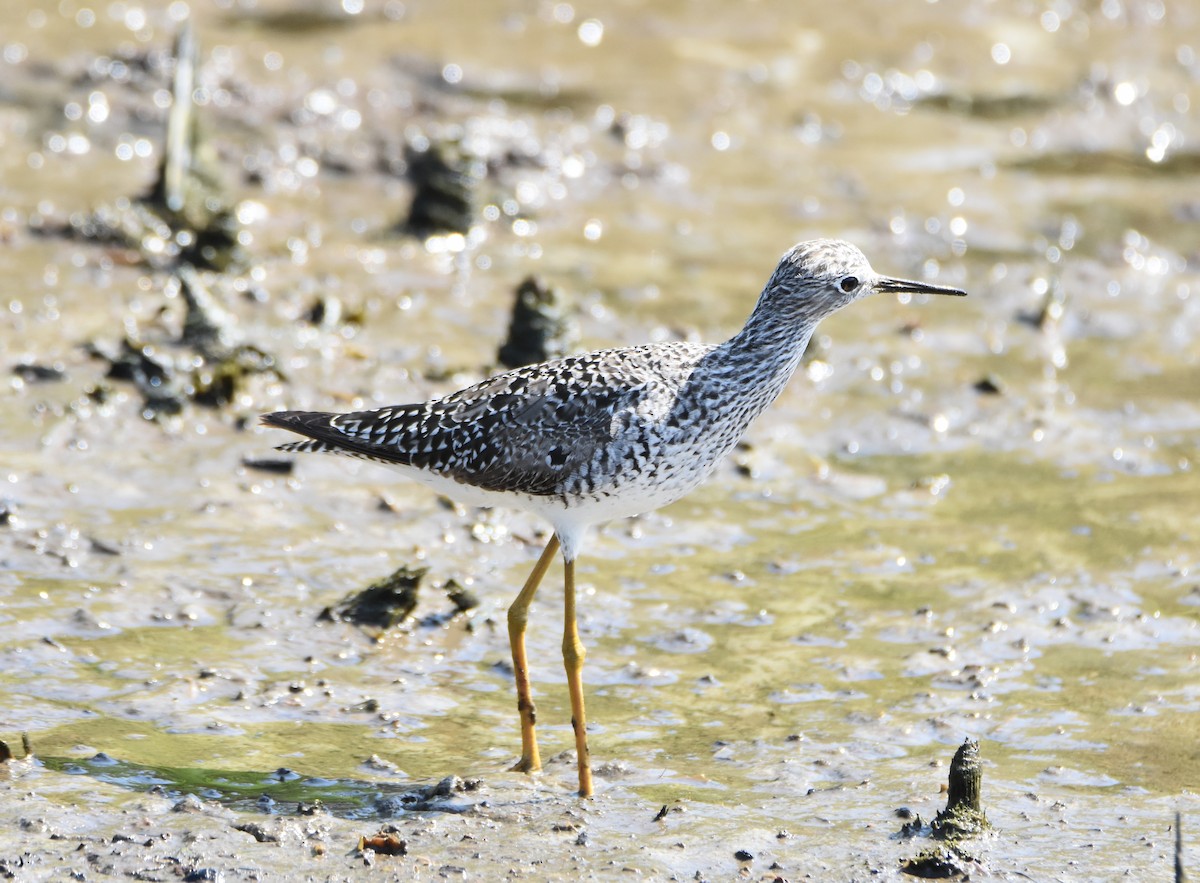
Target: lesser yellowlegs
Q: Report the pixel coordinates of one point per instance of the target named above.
(603, 435)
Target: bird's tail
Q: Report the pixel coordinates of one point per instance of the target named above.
(324, 436)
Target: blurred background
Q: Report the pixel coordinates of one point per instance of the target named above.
(963, 518)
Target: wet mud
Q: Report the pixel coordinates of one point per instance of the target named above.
(973, 520)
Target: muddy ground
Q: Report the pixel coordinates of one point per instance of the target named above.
(963, 519)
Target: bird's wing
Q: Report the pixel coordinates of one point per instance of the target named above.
(529, 433)
(524, 430)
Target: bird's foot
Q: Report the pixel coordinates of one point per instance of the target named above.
(525, 765)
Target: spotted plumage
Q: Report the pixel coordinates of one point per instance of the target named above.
(606, 434)
(566, 434)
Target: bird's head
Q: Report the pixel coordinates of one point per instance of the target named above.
(821, 276)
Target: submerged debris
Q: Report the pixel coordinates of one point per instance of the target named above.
(539, 328)
(207, 364)
(152, 373)
(189, 803)
(446, 179)
(445, 796)
(938, 863)
(913, 827)
(276, 465)
(257, 831)
(383, 604)
(188, 190)
(207, 326)
(302, 18)
(183, 223)
(185, 218)
(991, 385)
(462, 598)
(992, 107)
(34, 372)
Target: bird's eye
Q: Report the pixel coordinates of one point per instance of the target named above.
(848, 284)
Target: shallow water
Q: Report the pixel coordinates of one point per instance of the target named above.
(897, 560)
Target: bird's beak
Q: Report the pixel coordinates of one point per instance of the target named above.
(897, 286)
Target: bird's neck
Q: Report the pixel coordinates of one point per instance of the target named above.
(763, 356)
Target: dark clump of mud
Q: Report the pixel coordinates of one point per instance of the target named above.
(446, 180)
(540, 328)
(383, 604)
(206, 362)
(444, 796)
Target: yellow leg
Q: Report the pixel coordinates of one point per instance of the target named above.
(518, 616)
(573, 655)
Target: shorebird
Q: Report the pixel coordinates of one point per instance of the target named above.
(604, 435)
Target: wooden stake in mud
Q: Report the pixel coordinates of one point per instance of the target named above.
(962, 819)
(966, 778)
(963, 815)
